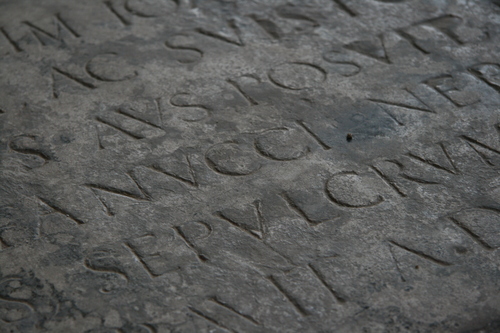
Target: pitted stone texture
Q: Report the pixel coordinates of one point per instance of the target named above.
(185, 166)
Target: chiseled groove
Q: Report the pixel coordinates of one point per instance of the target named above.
(289, 297)
(429, 162)
(401, 105)
(421, 254)
(61, 211)
(322, 279)
(345, 8)
(124, 131)
(139, 258)
(120, 111)
(198, 253)
(471, 233)
(230, 308)
(117, 191)
(311, 133)
(468, 138)
(221, 215)
(233, 26)
(189, 182)
(298, 210)
(388, 181)
(210, 319)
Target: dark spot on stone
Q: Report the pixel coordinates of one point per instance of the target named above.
(349, 137)
(65, 139)
(417, 267)
(461, 249)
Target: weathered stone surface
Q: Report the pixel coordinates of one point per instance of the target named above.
(249, 166)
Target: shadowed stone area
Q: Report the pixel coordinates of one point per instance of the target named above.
(249, 166)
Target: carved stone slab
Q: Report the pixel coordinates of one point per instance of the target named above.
(249, 166)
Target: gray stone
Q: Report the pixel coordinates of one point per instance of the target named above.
(249, 166)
